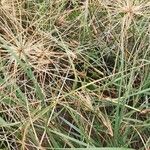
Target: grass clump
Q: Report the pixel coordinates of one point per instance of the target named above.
(74, 74)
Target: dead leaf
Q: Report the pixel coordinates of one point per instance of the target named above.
(145, 111)
(86, 100)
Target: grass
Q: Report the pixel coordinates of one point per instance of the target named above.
(74, 74)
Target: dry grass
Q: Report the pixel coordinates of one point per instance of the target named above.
(74, 74)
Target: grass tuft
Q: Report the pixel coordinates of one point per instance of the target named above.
(74, 74)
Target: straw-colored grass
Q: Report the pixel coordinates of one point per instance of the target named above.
(74, 74)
